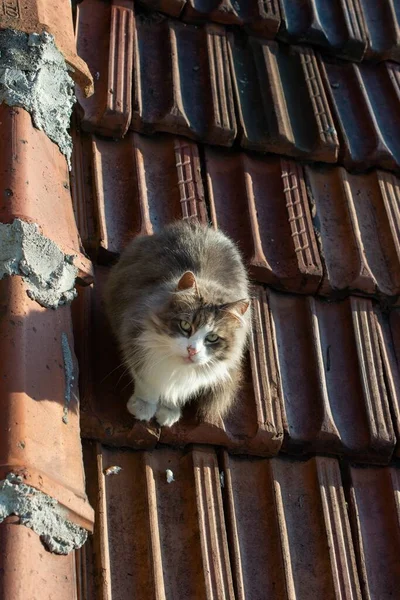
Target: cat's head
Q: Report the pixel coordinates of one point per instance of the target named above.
(196, 332)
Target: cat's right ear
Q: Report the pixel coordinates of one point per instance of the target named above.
(187, 282)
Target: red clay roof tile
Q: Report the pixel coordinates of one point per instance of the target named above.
(365, 101)
(39, 429)
(161, 177)
(335, 398)
(283, 516)
(262, 204)
(182, 82)
(35, 180)
(155, 539)
(357, 220)
(28, 571)
(104, 35)
(374, 514)
(281, 100)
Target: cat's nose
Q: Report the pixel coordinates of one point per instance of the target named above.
(191, 351)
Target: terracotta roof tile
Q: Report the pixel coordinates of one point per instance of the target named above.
(104, 384)
(104, 33)
(163, 514)
(161, 177)
(263, 17)
(375, 520)
(301, 517)
(182, 82)
(262, 204)
(357, 220)
(49, 576)
(337, 26)
(39, 429)
(42, 174)
(335, 398)
(168, 539)
(366, 103)
(274, 114)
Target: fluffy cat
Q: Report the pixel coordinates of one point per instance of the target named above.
(178, 302)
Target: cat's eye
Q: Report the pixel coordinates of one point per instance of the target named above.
(185, 326)
(211, 338)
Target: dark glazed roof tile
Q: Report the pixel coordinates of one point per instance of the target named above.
(336, 26)
(281, 517)
(142, 183)
(262, 204)
(357, 217)
(182, 82)
(155, 539)
(105, 386)
(335, 397)
(254, 425)
(382, 21)
(262, 17)
(282, 105)
(366, 104)
(375, 514)
(104, 34)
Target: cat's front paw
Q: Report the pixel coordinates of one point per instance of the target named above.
(168, 416)
(142, 410)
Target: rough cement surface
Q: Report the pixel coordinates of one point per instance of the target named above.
(49, 274)
(34, 75)
(41, 513)
(69, 374)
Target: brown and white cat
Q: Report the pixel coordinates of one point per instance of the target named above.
(178, 302)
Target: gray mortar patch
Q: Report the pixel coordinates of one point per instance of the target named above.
(41, 513)
(34, 75)
(49, 274)
(69, 374)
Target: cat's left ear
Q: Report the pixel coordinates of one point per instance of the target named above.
(237, 309)
(187, 283)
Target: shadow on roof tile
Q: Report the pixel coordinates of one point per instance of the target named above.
(357, 220)
(104, 384)
(281, 100)
(374, 515)
(156, 539)
(182, 82)
(262, 17)
(228, 528)
(366, 105)
(288, 529)
(382, 21)
(336, 398)
(338, 27)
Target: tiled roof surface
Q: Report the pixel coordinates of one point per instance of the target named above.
(277, 122)
(293, 152)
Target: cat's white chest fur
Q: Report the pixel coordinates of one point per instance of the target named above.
(167, 376)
